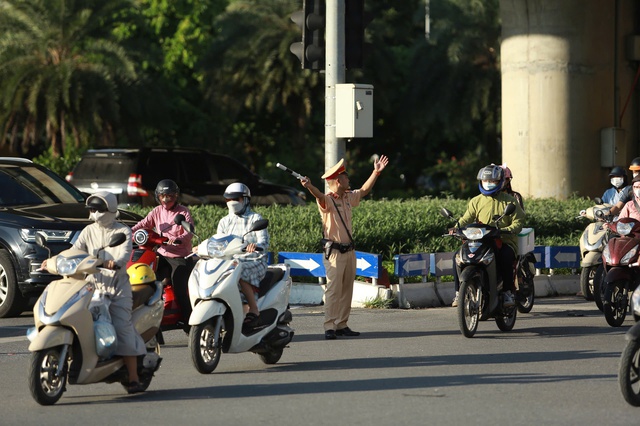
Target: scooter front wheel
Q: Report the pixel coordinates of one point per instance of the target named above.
(205, 344)
(469, 307)
(45, 384)
(615, 303)
(629, 373)
(599, 287)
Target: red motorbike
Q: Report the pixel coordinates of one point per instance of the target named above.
(145, 244)
(622, 269)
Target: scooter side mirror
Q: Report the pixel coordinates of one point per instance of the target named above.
(597, 200)
(259, 225)
(41, 240)
(117, 239)
(510, 209)
(445, 212)
(179, 219)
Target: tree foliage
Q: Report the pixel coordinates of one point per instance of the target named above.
(218, 74)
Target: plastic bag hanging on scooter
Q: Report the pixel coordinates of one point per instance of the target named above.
(105, 332)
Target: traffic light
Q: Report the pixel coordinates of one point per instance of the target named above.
(311, 19)
(355, 21)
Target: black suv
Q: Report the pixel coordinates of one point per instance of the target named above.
(33, 199)
(132, 175)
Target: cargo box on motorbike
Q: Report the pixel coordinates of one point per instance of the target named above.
(526, 241)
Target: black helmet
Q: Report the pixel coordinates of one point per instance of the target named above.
(635, 164)
(96, 203)
(102, 201)
(617, 171)
(166, 186)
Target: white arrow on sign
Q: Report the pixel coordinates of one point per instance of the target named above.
(309, 265)
(416, 265)
(444, 263)
(362, 264)
(566, 257)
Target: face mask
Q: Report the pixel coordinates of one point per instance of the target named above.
(635, 174)
(636, 192)
(235, 207)
(103, 219)
(617, 182)
(488, 186)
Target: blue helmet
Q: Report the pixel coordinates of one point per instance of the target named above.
(491, 172)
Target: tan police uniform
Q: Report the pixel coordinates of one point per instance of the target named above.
(340, 267)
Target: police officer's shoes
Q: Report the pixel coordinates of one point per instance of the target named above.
(347, 332)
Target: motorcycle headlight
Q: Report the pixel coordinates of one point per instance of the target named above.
(627, 257)
(606, 254)
(624, 228)
(69, 265)
(474, 233)
(217, 245)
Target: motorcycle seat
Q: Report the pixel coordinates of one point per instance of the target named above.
(272, 276)
(141, 293)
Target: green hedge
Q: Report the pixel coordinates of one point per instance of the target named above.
(391, 227)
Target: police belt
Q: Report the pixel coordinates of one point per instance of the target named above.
(342, 247)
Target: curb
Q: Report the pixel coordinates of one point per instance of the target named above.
(424, 294)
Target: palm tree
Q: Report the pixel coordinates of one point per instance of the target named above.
(250, 70)
(61, 72)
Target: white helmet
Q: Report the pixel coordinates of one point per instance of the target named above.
(236, 190)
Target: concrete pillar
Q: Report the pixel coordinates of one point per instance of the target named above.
(564, 72)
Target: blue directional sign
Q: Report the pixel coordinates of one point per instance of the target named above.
(539, 253)
(310, 264)
(562, 257)
(442, 264)
(368, 265)
(409, 265)
(303, 264)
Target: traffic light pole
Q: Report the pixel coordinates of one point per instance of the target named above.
(335, 72)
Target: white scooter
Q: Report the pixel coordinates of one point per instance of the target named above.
(217, 318)
(63, 342)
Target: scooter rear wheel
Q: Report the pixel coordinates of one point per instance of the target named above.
(45, 384)
(525, 295)
(271, 357)
(205, 344)
(629, 373)
(506, 320)
(469, 307)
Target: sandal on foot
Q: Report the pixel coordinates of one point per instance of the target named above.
(251, 320)
(135, 387)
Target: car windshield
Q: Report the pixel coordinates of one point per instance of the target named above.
(29, 185)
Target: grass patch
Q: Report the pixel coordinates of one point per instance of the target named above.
(378, 303)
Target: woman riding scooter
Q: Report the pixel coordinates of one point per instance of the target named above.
(173, 263)
(237, 222)
(103, 211)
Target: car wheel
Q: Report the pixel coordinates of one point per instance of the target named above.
(12, 302)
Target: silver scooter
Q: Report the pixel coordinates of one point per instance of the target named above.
(217, 318)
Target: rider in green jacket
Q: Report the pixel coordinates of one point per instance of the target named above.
(482, 209)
